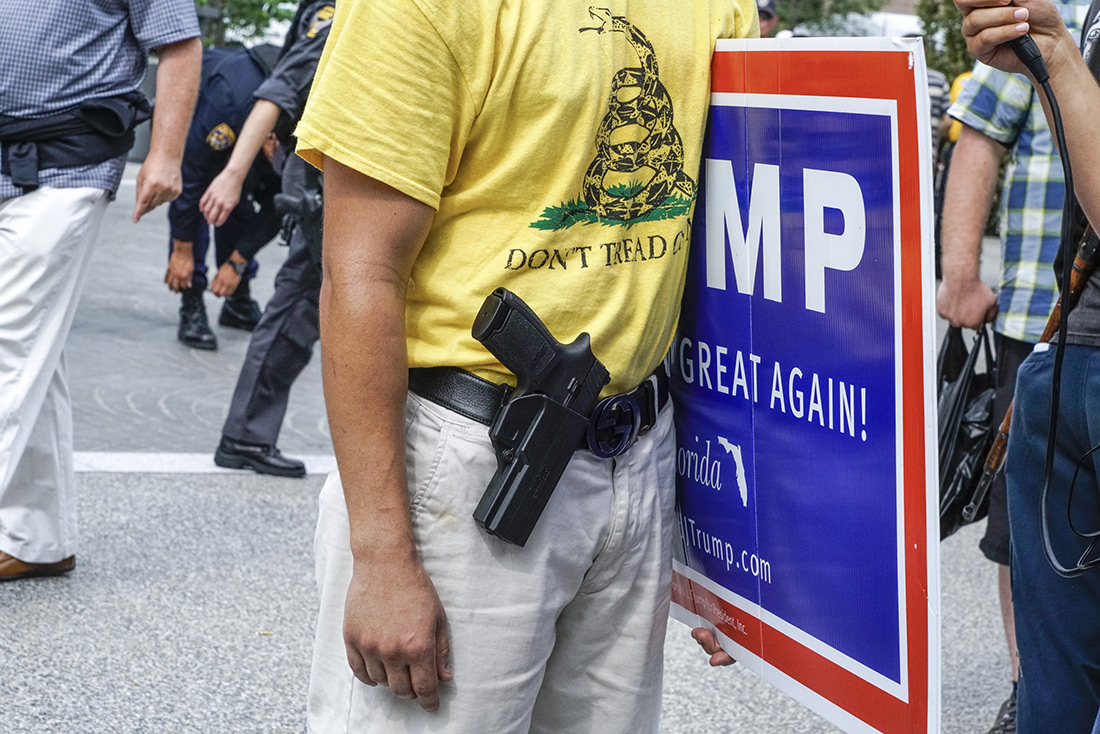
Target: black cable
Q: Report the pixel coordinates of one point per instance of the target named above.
(1026, 51)
(1068, 210)
(1069, 499)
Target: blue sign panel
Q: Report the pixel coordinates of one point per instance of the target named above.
(785, 373)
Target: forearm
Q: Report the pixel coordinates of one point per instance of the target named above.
(968, 197)
(259, 124)
(178, 72)
(372, 236)
(365, 372)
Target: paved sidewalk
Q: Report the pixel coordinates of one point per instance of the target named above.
(191, 607)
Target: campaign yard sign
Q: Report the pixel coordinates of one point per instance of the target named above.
(803, 379)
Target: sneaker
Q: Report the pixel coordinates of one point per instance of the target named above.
(1005, 723)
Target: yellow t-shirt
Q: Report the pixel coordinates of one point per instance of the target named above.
(559, 143)
(955, 130)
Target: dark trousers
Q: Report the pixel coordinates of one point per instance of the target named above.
(1057, 619)
(1010, 354)
(280, 348)
(282, 342)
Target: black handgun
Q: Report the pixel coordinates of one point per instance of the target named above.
(305, 211)
(543, 420)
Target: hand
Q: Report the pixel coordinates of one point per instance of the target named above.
(159, 181)
(221, 197)
(966, 303)
(395, 631)
(709, 643)
(181, 266)
(225, 281)
(989, 24)
(271, 144)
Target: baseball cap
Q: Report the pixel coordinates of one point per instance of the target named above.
(766, 9)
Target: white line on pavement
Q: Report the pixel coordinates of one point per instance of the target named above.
(167, 463)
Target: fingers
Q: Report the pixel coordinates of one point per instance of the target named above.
(177, 284)
(721, 659)
(218, 201)
(425, 686)
(968, 6)
(991, 314)
(443, 653)
(359, 667)
(142, 206)
(209, 207)
(399, 680)
(709, 642)
(987, 28)
(216, 212)
(218, 215)
(706, 640)
(225, 282)
(151, 196)
(417, 681)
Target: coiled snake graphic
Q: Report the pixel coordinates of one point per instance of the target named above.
(660, 150)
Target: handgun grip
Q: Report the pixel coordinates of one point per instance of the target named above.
(515, 335)
(286, 204)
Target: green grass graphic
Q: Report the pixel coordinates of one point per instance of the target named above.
(569, 213)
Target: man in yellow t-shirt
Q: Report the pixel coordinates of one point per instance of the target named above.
(552, 149)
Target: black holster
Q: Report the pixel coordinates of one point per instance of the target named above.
(94, 131)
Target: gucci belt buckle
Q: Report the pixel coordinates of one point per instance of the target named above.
(613, 426)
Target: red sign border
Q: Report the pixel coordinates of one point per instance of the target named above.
(868, 74)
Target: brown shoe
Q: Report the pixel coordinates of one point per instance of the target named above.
(11, 568)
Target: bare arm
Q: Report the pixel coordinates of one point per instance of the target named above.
(395, 629)
(224, 192)
(963, 299)
(159, 180)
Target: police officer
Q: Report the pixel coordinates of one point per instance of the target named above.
(282, 342)
(230, 77)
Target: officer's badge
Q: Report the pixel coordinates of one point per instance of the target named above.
(221, 137)
(321, 21)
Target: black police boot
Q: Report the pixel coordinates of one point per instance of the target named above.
(260, 458)
(194, 329)
(240, 311)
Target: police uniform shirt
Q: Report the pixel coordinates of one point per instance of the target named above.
(59, 54)
(290, 80)
(229, 78)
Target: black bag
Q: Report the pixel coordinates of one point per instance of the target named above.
(965, 407)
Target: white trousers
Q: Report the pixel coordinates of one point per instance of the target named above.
(46, 240)
(563, 636)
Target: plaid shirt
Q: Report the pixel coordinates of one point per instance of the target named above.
(57, 53)
(1006, 108)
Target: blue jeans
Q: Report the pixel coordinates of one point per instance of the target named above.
(1057, 619)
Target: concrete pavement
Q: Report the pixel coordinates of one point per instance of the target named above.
(191, 607)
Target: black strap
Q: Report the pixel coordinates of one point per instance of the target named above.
(456, 389)
(95, 131)
(479, 399)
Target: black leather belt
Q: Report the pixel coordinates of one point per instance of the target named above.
(613, 426)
